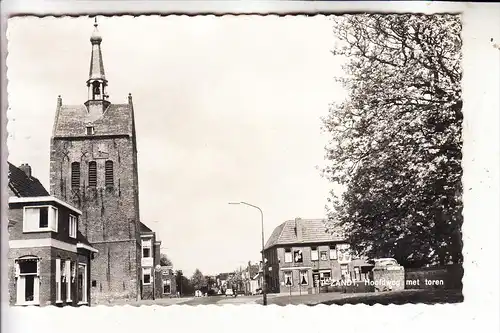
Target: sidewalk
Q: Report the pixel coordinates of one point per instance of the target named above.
(160, 302)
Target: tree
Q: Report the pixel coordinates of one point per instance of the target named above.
(165, 260)
(198, 280)
(183, 284)
(235, 280)
(395, 142)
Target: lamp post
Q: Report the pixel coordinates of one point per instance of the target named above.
(264, 286)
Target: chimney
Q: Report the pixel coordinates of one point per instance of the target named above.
(298, 228)
(25, 167)
(129, 98)
(59, 101)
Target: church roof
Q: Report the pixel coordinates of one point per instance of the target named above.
(311, 231)
(22, 185)
(72, 120)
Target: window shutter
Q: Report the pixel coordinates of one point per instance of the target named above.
(73, 271)
(36, 290)
(58, 270)
(108, 172)
(75, 175)
(92, 174)
(17, 269)
(38, 268)
(20, 289)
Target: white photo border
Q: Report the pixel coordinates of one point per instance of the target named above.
(481, 87)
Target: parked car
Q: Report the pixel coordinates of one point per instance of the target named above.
(382, 262)
(258, 291)
(229, 292)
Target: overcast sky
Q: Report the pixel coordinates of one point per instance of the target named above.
(227, 109)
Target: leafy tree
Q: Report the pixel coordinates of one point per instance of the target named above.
(198, 280)
(184, 286)
(165, 260)
(235, 281)
(395, 142)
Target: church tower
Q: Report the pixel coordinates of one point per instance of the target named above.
(93, 166)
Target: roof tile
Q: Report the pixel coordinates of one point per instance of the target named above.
(24, 186)
(71, 120)
(302, 231)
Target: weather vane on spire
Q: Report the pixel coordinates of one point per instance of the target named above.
(95, 21)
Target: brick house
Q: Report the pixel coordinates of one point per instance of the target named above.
(301, 256)
(151, 283)
(168, 282)
(49, 260)
(252, 278)
(93, 167)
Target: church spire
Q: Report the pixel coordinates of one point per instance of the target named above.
(97, 82)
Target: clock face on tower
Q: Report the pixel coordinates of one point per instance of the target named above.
(101, 150)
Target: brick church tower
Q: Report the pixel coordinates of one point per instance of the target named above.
(93, 166)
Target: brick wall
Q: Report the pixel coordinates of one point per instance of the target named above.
(114, 274)
(442, 277)
(110, 218)
(45, 273)
(63, 213)
(389, 279)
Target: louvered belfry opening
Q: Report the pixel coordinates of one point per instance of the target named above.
(108, 166)
(75, 175)
(92, 174)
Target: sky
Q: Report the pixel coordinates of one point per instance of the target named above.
(226, 109)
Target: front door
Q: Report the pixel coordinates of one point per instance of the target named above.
(82, 283)
(315, 279)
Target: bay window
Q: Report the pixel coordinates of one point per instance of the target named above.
(39, 219)
(146, 275)
(146, 248)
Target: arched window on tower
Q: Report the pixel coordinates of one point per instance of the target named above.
(109, 176)
(92, 174)
(96, 90)
(75, 175)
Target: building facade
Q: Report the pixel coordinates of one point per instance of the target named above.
(49, 261)
(93, 166)
(151, 284)
(168, 282)
(252, 278)
(301, 257)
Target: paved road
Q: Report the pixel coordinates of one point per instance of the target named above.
(221, 300)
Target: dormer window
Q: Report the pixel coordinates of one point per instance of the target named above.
(39, 219)
(90, 130)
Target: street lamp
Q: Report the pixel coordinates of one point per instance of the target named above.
(264, 291)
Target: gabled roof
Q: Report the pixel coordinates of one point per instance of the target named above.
(144, 229)
(81, 239)
(253, 269)
(301, 231)
(72, 120)
(22, 185)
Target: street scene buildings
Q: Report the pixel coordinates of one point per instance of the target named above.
(83, 242)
